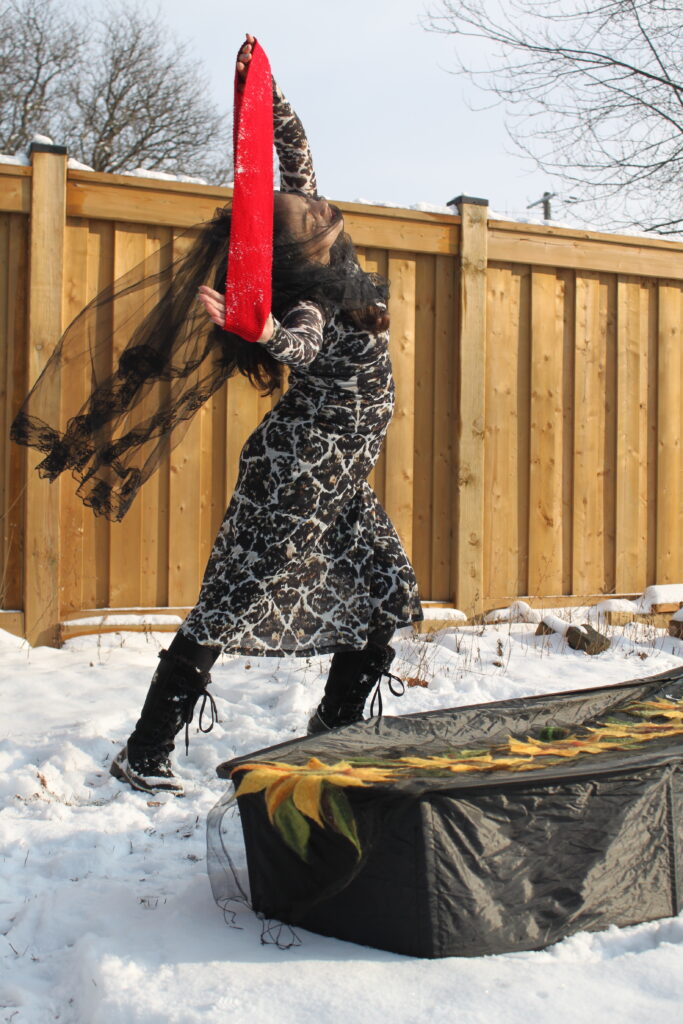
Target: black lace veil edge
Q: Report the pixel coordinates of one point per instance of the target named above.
(131, 408)
(148, 358)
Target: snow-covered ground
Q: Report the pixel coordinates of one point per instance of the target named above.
(106, 915)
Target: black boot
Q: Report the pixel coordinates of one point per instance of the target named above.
(178, 683)
(353, 676)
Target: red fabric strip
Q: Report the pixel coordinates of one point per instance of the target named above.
(248, 289)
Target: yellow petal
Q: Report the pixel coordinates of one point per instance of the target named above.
(306, 797)
(342, 780)
(278, 792)
(257, 779)
(524, 746)
(428, 762)
(314, 764)
(555, 750)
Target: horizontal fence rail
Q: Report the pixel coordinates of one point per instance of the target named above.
(535, 448)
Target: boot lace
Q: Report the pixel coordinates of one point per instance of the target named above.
(190, 690)
(189, 706)
(390, 679)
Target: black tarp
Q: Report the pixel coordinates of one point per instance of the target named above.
(483, 861)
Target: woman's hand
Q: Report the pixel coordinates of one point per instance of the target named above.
(214, 304)
(244, 56)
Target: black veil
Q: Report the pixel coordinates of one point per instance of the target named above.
(151, 358)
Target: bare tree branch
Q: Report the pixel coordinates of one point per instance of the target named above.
(119, 90)
(38, 47)
(593, 91)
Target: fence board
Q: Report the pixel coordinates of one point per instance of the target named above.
(155, 496)
(375, 261)
(632, 416)
(472, 300)
(568, 285)
(507, 405)
(400, 441)
(125, 550)
(96, 529)
(425, 307)
(444, 492)
(594, 436)
(184, 495)
(650, 323)
(46, 262)
(15, 189)
(5, 395)
(584, 251)
(668, 565)
(547, 440)
(72, 516)
(13, 349)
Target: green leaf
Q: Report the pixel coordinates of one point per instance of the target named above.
(338, 814)
(552, 732)
(293, 827)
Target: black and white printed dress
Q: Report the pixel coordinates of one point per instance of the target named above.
(306, 560)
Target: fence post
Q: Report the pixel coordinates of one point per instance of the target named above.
(46, 269)
(469, 506)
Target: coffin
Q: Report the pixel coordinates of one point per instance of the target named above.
(474, 830)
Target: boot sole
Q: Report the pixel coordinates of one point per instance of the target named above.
(141, 784)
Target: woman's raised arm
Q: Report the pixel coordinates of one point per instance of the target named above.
(291, 144)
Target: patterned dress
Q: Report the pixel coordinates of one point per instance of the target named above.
(306, 560)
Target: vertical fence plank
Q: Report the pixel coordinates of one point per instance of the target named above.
(5, 396)
(46, 261)
(400, 441)
(546, 465)
(184, 499)
(96, 529)
(73, 569)
(507, 433)
(243, 415)
(126, 538)
(375, 261)
(523, 383)
(500, 453)
(567, 280)
(668, 563)
(589, 403)
(155, 494)
(422, 536)
(213, 472)
(631, 462)
(608, 296)
(17, 360)
(469, 529)
(650, 327)
(443, 492)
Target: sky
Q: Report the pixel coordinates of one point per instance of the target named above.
(387, 119)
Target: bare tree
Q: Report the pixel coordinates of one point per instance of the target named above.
(125, 95)
(140, 99)
(593, 90)
(39, 45)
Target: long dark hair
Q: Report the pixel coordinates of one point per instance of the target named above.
(340, 286)
(113, 438)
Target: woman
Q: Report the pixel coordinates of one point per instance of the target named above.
(306, 560)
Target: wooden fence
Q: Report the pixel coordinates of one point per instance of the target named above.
(535, 449)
